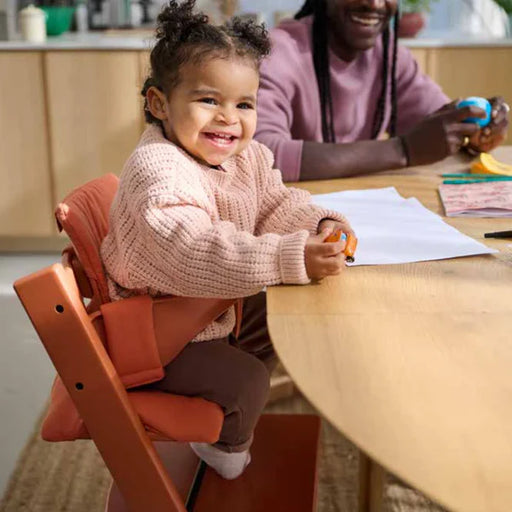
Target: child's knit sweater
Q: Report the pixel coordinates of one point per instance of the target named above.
(182, 228)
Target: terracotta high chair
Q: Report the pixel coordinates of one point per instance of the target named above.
(102, 349)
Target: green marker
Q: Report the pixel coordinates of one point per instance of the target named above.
(486, 180)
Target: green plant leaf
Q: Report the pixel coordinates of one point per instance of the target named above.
(416, 5)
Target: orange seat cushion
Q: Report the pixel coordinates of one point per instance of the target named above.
(164, 416)
(176, 417)
(83, 215)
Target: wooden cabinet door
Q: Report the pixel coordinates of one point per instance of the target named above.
(473, 71)
(94, 107)
(25, 192)
(144, 71)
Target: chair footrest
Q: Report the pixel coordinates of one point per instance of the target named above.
(281, 477)
(282, 474)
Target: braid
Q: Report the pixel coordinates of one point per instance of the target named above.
(321, 62)
(394, 105)
(322, 69)
(307, 9)
(381, 103)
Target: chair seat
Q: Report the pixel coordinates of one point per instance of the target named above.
(177, 418)
(165, 417)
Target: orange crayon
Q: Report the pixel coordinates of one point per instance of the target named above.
(350, 245)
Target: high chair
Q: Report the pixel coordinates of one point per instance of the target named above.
(104, 351)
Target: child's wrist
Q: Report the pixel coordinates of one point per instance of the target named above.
(291, 258)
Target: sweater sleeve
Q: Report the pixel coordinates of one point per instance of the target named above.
(187, 254)
(285, 209)
(417, 94)
(275, 113)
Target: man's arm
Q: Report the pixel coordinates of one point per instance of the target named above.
(328, 161)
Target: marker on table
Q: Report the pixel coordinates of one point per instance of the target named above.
(499, 234)
(350, 247)
(466, 176)
(478, 180)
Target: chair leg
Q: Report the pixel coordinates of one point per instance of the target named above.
(180, 462)
(372, 479)
(115, 501)
(281, 386)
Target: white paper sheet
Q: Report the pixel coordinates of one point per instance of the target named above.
(391, 229)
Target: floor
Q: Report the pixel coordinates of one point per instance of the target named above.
(26, 373)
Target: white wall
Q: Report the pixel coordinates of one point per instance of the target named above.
(473, 17)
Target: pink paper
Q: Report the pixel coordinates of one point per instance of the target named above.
(489, 199)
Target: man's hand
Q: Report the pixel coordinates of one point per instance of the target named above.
(492, 135)
(441, 134)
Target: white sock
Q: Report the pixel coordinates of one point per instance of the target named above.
(227, 465)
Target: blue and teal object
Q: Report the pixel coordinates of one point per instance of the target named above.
(482, 103)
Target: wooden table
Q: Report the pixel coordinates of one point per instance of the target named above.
(413, 363)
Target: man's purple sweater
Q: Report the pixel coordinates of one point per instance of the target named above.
(289, 101)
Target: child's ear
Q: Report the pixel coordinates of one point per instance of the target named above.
(156, 102)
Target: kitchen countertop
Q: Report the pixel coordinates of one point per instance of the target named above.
(142, 39)
(106, 40)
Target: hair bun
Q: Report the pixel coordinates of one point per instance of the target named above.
(255, 35)
(177, 20)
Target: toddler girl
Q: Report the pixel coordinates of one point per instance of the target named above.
(200, 212)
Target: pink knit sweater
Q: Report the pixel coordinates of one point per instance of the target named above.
(182, 228)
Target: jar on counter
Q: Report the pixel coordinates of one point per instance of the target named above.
(82, 17)
(33, 24)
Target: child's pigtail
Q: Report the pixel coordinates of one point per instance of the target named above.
(254, 36)
(177, 23)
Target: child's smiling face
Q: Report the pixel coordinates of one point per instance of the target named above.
(211, 111)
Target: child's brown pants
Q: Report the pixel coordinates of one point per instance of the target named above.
(235, 374)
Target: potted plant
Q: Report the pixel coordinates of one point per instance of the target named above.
(413, 19)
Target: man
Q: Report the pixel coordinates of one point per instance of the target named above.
(337, 84)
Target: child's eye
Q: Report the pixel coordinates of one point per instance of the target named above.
(209, 101)
(245, 106)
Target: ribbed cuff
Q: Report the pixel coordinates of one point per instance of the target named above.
(292, 260)
(319, 215)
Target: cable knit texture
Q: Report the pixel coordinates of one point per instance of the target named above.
(178, 227)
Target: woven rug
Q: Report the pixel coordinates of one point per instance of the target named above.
(71, 477)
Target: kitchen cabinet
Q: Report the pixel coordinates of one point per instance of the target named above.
(94, 112)
(144, 70)
(26, 187)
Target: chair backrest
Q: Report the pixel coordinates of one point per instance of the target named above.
(54, 304)
(83, 215)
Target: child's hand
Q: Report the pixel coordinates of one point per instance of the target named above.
(323, 259)
(334, 226)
